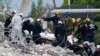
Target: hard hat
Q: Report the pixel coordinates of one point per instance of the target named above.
(57, 12)
(73, 20)
(86, 42)
(21, 14)
(31, 19)
(87, 19)
(98, 46)
(60, 22)
(78, 19)
(38, 19)
(14, 11)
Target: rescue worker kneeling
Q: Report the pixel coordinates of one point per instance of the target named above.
(59, 34)
(36, 30)
(27, 25)
(86, 46)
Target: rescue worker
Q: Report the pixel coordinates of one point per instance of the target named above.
(60, 34)
(91, 28)
(36, 30)
(55, 19)
(76, 48)
(81, 30)
(86, 46)
(97, 51)
(7, 23)
(16, 27)
(27, 25)
(68, 24)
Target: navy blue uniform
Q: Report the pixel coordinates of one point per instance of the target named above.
(60, 35)
(7, 22)
(81, 30)
(90, 31)
(37, 29)
(88, 50)
(27, 25)
(55, 20)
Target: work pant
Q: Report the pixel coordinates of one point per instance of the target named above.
(37, 39)
(60, 41)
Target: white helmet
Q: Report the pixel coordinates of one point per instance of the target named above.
(21, 14)
(86, 42)
(31, 19)
(60, 22)
(38, 19)
(98, 46)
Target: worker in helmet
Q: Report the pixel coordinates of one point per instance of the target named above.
(60, 34)
(16, 27)
(91, 28)
(80, 30)
(36, 30)
(55, 19)
(68, 24)
(7, 23)
(86, 46)
(27, 25)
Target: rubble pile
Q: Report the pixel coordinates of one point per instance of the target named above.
(35, 50)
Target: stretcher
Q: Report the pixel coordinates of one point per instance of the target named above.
(48, 36)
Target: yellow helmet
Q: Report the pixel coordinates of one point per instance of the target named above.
(73, 20)
(79, 19)
(87, 19)
(57, 13)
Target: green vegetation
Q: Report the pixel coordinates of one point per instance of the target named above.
(97, 36)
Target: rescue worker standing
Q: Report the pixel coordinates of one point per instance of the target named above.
(68, 24)
(27, 25)
(7, 22)
(60, 34)
(91, 28)
(55, 19)
(37, 29)
(81, 30)
(16, 27)
(86, 47)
